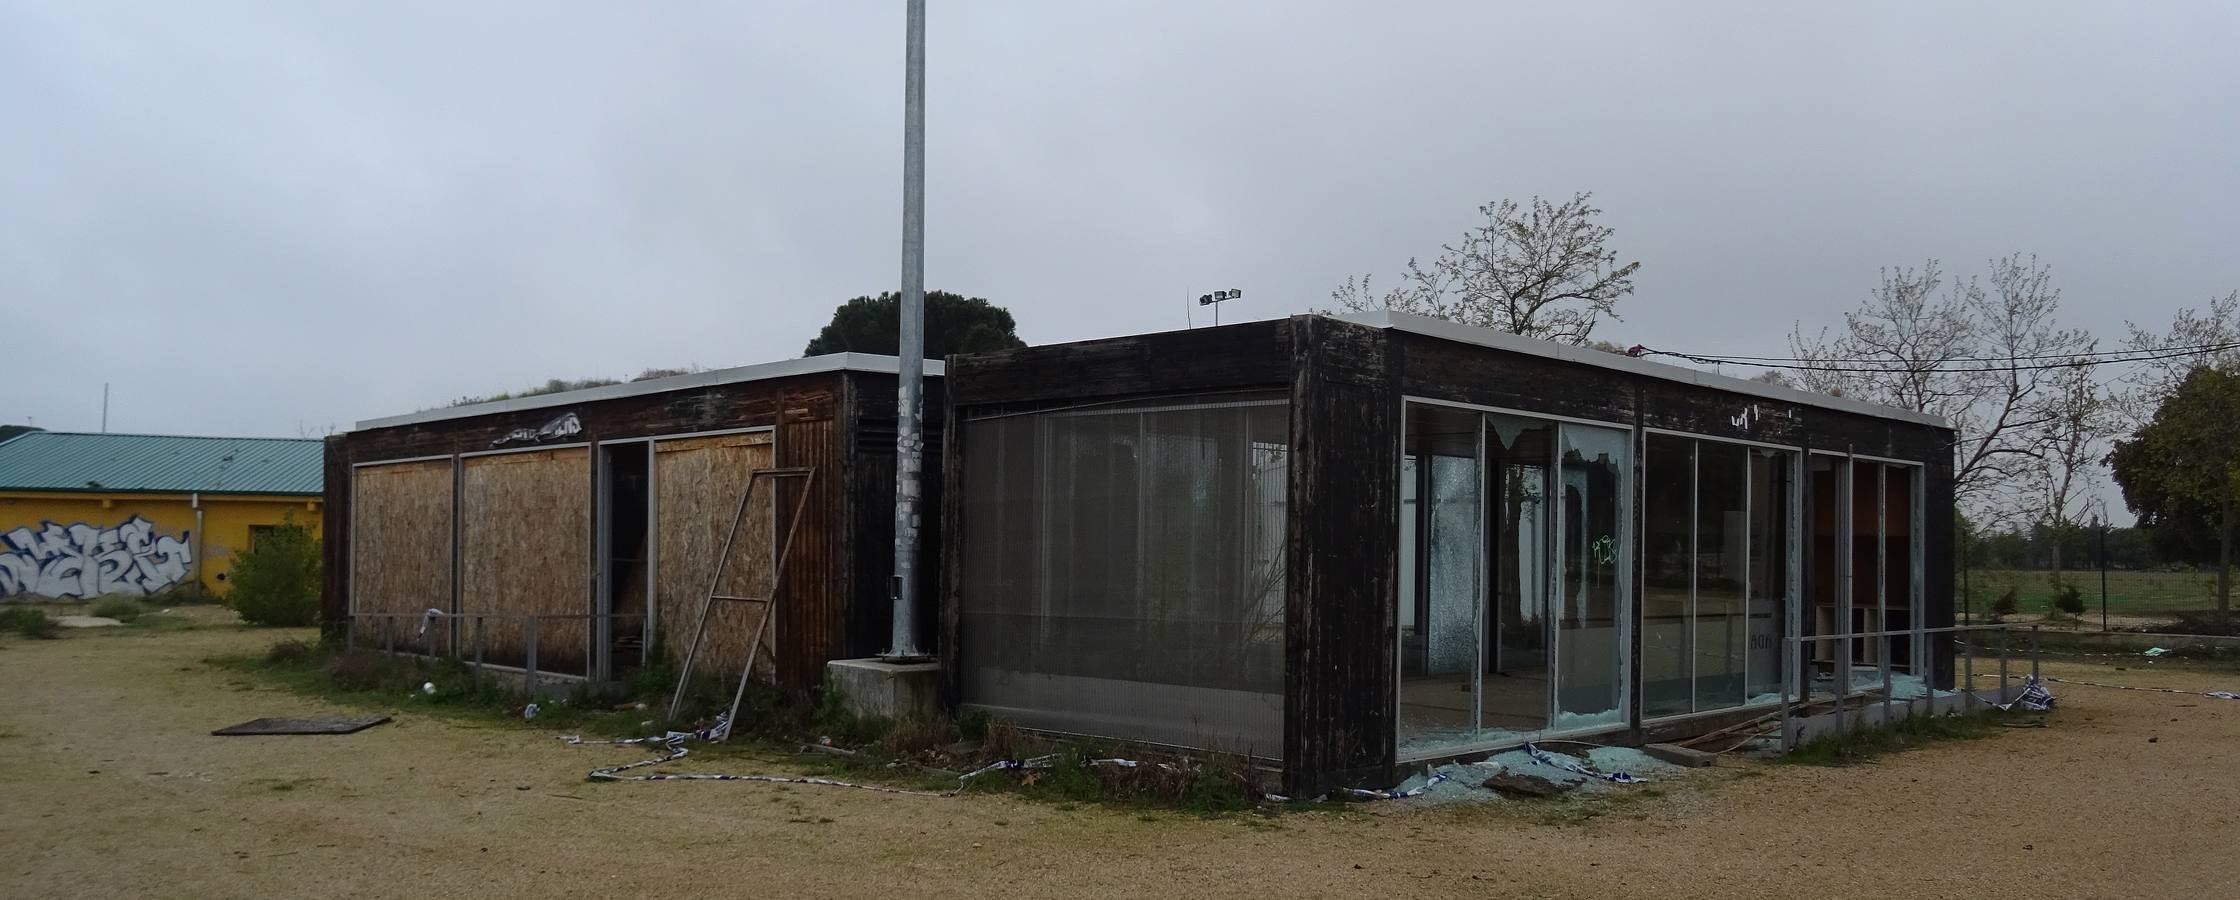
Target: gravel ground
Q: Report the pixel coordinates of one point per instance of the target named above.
(113, 787)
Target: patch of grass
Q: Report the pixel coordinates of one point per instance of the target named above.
(118, 606)
(1912, 732)
(2130, 592)
(31, 623)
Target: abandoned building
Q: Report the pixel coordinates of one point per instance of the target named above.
(1342, 545)
(583, 528)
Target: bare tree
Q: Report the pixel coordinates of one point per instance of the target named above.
(1542, 271)
(2216, 333)
(1982, 354)
(2071, 454)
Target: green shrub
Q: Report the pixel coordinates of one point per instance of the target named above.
(2068, 600)
(30, 623)
(117, 606)
(2008, 604)
(276, 582)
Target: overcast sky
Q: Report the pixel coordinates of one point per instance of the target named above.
(275, 218)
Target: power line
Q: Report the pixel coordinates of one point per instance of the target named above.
(2185, 349)
(2077, 361)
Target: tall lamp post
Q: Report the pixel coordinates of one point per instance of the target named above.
(910, 369)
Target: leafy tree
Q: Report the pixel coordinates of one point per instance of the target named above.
(276, 581)
(2179, 472)
(954, 324)
(1541, 271)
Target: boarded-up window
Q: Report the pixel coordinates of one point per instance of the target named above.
(697, 488)
(400, 548)
(525, 544)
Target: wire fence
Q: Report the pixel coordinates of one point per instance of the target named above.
(465, 638)
(2113, 599)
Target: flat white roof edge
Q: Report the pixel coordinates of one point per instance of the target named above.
(1502, 340)
(874, 363)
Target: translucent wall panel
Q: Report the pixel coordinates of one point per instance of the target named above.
(1594, 477)
(1668, 570)
(1123, 571)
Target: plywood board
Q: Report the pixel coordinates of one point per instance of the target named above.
(400, 550)
(525, 547)
(697, 485)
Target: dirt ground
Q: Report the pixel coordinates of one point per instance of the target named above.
(112, 786)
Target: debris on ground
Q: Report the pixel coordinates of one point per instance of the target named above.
(298, 725)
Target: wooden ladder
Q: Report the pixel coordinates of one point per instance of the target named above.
(768, 602)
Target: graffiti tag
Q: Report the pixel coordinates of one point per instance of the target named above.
(567, 425)
(83, 561)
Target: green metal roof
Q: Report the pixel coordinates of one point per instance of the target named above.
(72, 461)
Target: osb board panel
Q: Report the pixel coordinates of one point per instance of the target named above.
(697, 485)
(525, 542)
(400, 540)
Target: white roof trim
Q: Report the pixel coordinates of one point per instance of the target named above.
(833, 362)
(1502, 340)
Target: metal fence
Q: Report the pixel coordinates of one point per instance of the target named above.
(1848, 704)
(598, 660)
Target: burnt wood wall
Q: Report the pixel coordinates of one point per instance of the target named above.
(822, 604)
(1343, 546)
(1346, 386)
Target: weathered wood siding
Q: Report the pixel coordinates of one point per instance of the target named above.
(1343, 545)
(822, 604)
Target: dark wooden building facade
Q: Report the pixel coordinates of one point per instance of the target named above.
(603, 511)
(1342, 545)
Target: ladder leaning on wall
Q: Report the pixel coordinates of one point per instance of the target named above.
(767, 602)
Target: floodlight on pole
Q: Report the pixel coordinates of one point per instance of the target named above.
(1217, 298)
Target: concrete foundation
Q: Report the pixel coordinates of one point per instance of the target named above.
(875, 687)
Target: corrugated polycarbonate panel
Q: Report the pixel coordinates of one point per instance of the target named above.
(1123, 571)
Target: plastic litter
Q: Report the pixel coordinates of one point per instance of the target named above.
(2154, 651)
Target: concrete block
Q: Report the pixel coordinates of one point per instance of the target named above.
(1681, 756)
(875, 687)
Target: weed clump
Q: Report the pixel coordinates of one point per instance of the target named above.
(288, 653)
(31, 623)
(117, 606)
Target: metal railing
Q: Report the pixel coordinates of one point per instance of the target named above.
(598, 661)
(1800, 696)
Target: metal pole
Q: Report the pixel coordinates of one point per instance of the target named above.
(2003, 633)
(104, 407)
(2033, 653)
(529, 671)
(2103, 576)
(481, 627)
(1968, 652)
(909, 440)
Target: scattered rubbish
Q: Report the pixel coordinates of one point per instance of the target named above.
(2154, 651)
(428, 687)
(1570, 764)
(2154, 740)
(284, 725)
(529, 712)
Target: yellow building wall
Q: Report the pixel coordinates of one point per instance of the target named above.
(129, 554)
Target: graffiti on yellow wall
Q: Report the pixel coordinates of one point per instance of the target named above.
(82, 560)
